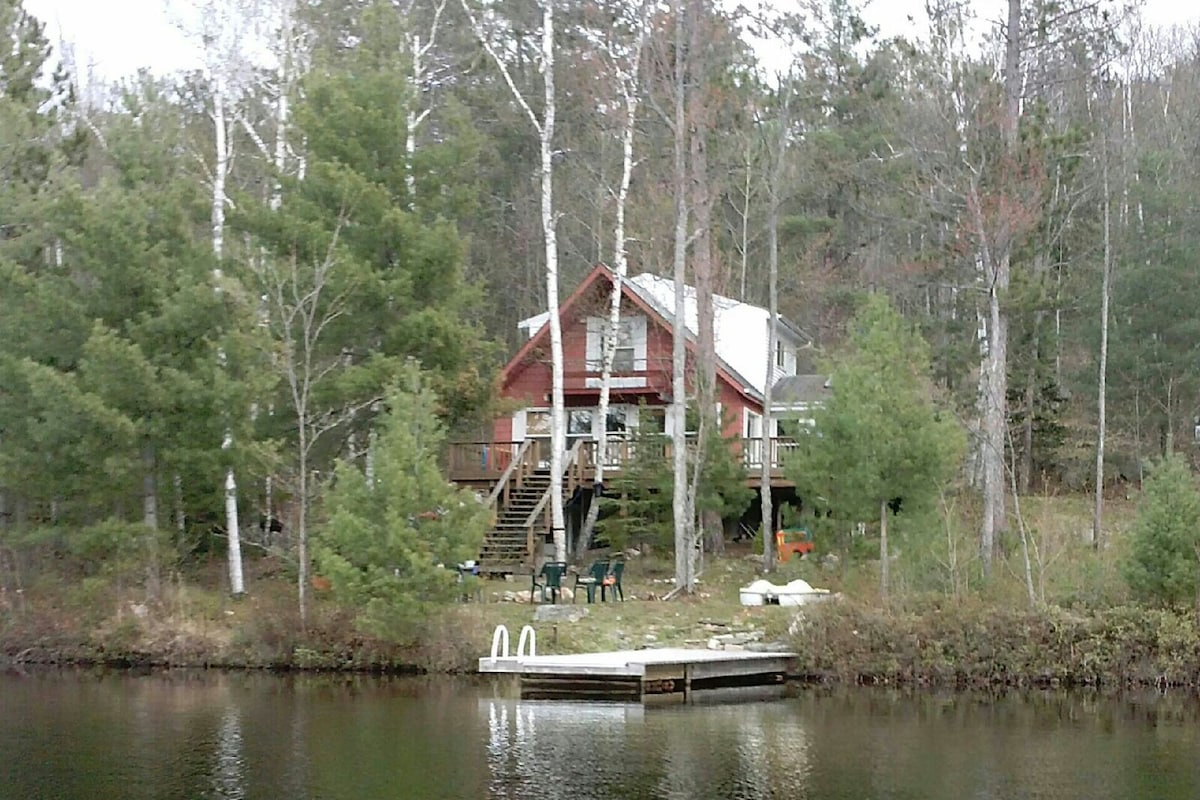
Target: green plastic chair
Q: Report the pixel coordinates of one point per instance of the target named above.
(613, 581)
(590, 580)
(550, 582)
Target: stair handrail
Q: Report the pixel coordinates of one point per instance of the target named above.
(507, 474)
(570, 459)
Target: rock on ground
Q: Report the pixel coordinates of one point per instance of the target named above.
(548, 612)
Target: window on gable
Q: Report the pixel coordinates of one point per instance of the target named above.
(630, 352)
(780, 355)
(624, 357)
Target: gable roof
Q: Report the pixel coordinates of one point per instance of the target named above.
(644, 292)
(740, 329)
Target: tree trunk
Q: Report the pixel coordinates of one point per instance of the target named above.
(883, 551)
(545, 131)
(1025, 469)
(773, 181)
(150, 520)
(220, 172)
(704, 269)
(411, 120)
(149, 488)
(684, 578)
(995, 417)
(180, 512)
(1102, 378)
(302, 528)
(558, 423)
(629, 88)
(237, 585)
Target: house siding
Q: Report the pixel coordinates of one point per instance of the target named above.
(528, 381)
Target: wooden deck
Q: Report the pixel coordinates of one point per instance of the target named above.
(481, 464)
(667, 675)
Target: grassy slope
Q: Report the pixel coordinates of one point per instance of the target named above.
(941, 625)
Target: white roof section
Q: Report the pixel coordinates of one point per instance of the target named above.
(740, 329)
(534, 324)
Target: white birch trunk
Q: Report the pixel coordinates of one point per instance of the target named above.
(237, 584)
(1102, 380)
(684, 579)
(220, 170)
(883, 551)
(629, 88)
(282, 120)
(413, 118)
(410, 122)
(150, 520)
(180, 513)
(545, 131)
(149, 489)
(558, 426)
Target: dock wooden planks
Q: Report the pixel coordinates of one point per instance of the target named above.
(665, 675)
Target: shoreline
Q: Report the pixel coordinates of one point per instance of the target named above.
(961, 647)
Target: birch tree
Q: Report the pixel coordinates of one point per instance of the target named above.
(626, 74)
(221, 27)
(421, 74)
(1102, 371)
(544, 128)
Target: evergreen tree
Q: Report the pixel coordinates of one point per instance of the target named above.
(879, 437)
(1164, 566)
(390, 547)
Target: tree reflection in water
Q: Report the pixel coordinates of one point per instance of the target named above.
(229, 771)
(554, 749)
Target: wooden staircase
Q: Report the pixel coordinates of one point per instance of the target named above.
(506, 548)
(521, 504)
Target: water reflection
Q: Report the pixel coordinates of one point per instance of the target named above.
(210, 736)
(228, 777)
(555, 749)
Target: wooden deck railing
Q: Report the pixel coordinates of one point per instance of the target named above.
(780, 446)
(507, 464)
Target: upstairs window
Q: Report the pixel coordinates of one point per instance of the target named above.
(626, 352)
(630, 353)
(785, 358)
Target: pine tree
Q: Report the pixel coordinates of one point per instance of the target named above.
(879, 437)
(1164, 565)
(390, 548)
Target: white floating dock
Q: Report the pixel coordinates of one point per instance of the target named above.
(658, 675)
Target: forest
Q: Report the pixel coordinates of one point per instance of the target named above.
(219, 287)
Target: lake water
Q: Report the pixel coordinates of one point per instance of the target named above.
(68, 735)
